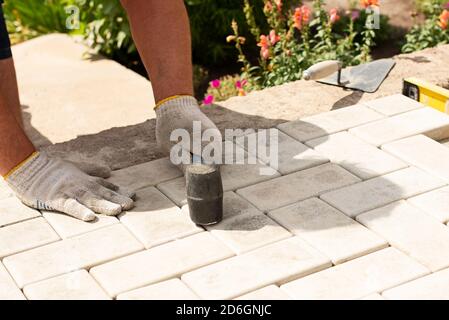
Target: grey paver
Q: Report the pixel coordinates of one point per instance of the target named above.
(297, 186)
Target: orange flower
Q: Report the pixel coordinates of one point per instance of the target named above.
(264, 45)
(444, 20)
(301, 17)
(369, 3)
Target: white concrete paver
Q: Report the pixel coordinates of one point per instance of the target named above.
(33, 233)
(374, 296)
(331, 232)
(358, 278)
(432, 287)
(394, 104)
(12, 211)
(71, 254)
(159, 263)
(434, 203)
(173, 289)
(297, 186)
(68, 227)
(426, 121)
(77, 285)
(377, 192)
(412, 231)
(245, 273)
(155, 219)
(360, 158)
(8, 288)
(422, 152)
(323, 124)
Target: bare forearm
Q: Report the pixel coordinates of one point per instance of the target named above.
(14, 144)
(161, 32)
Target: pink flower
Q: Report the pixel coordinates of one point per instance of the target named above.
(265, 53)
(240, 84)
(278, 4)
(334, 17)
(274, 38)
(268, 6)
(209, 99)
(355, 14)
(215, 83)
(446, 6)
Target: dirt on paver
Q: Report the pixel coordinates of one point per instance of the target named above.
(131, 145)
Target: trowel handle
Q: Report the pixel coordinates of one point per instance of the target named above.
(322, 70)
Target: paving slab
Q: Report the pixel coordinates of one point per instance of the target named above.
(267, 293)
(328, 230)
(160, 263)
(64, 256)
(276, 263)
(292, 154)
(78, 285)
(356, 156)
(412, 231)
(434, 203)
(155, 219)
(67, 226)
(422, 152)
(297, 186)
(13, 211)
(173, 289)
(377, 192)
(145, 174)
(357, 278)
(394, 104)
(432, 287)
(8, 288)
(247, 230)
(326, 123)
(428, 121)
(25, 235)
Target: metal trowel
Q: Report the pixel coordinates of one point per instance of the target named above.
(366, 77)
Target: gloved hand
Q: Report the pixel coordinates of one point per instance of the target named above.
(179, 113)
(42, 182)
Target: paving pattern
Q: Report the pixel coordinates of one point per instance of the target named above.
(357, 209)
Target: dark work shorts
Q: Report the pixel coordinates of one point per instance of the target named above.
(5, 45)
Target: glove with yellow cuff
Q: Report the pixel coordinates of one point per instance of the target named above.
(46, 183)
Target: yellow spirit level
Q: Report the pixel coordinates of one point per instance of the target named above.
(427, 93)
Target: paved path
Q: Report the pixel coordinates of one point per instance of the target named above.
(357, 210)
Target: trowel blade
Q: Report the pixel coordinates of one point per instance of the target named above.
(366, 77)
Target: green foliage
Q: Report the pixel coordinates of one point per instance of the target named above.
(431, 33)
(29, 18)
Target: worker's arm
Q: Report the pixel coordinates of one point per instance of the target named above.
(40, 181)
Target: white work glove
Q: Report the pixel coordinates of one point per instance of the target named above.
(42, 182)
(180, 112)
